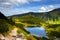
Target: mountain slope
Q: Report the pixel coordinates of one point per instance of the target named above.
(4, 24)
(52, 19)
(51, 16)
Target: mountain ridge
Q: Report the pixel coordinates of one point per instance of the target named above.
(52, 15)
(57, 9)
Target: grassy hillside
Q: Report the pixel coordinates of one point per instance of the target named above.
(6, 25)
(52, 17)
(50, 21)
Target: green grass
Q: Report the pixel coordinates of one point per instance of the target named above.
(53, 22)
(28, 36)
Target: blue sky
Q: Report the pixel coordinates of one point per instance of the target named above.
(13, 7)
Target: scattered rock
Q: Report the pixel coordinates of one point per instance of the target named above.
(13, 35)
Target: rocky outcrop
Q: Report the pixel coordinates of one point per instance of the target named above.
(13, 35)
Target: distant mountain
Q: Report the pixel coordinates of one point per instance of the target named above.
(5, 24)
(36, 18)
(53, 15)
(2, 16)
(58, 9)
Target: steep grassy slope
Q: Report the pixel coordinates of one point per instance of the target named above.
(51, 21)
(5, 24)
(52, 17)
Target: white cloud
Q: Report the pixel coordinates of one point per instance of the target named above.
(46, 8)
(36, 0)
(51, 6)
(6, 3)
(10, 3)
(9, 12)
(18, 1)
(43, 9)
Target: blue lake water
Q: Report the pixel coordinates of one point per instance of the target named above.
(37, 31)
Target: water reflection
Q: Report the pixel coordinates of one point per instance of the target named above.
(37, 31)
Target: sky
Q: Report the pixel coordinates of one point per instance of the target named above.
(13, 7)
